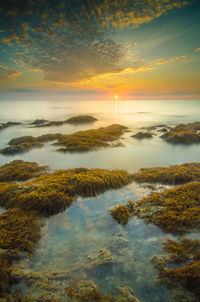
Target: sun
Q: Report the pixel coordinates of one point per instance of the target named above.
(116, 97)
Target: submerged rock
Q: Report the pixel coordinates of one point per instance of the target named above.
(122, 212)
(127, 295)
(104, 258)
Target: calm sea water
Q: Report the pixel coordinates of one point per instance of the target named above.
(86, 227)
(134, 114)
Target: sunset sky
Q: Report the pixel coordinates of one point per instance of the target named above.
(136, 49)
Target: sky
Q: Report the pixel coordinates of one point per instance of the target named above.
(97, 49)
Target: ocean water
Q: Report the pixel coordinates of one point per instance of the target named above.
(133, 114)
(71, 239)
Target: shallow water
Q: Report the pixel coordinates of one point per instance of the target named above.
(86, 227)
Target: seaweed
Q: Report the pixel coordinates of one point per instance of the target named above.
(79, 119)
(121, 213)
(92, 139)
(175, 210)
(81, 141)
(52, 193)
(187, 276)
(19, 170)
(5, 275)
(20, 231)
(182, 251)
(173, 175)
(87, 291)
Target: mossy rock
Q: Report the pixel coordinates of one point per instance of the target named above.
(81, 119)
(5, 275)
(54, 192)
(173, 175)
(174, 210)
(81, 141)
(183, 250)
(183, 134)
(19, 170)
(142, 135)
(92, 139)
(39, 122)
(20, 231)
(122, 212)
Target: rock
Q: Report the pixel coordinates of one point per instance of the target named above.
(127, 295)
(160, 262)
(39, 122)
(142, 135)
(104, 258)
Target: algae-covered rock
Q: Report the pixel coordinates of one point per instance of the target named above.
(8, 124)
(183, 250)
(174, 210)
(92, 139)
(160, 261)
(39, 122)
(104, 258)
(54, 192)
(173, 175)
(142, 135)
(19, 231)
(80, 141)
(127, 295)
(183, 134)
(79, 119)
(85, 290)
(19, 170)
(5, 275)
(122, 212)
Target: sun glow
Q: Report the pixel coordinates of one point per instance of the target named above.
(116, 97)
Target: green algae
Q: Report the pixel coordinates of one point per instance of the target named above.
(54, 192)
(183, 134)
(81, 141)
(19, 170)
(173, 175)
